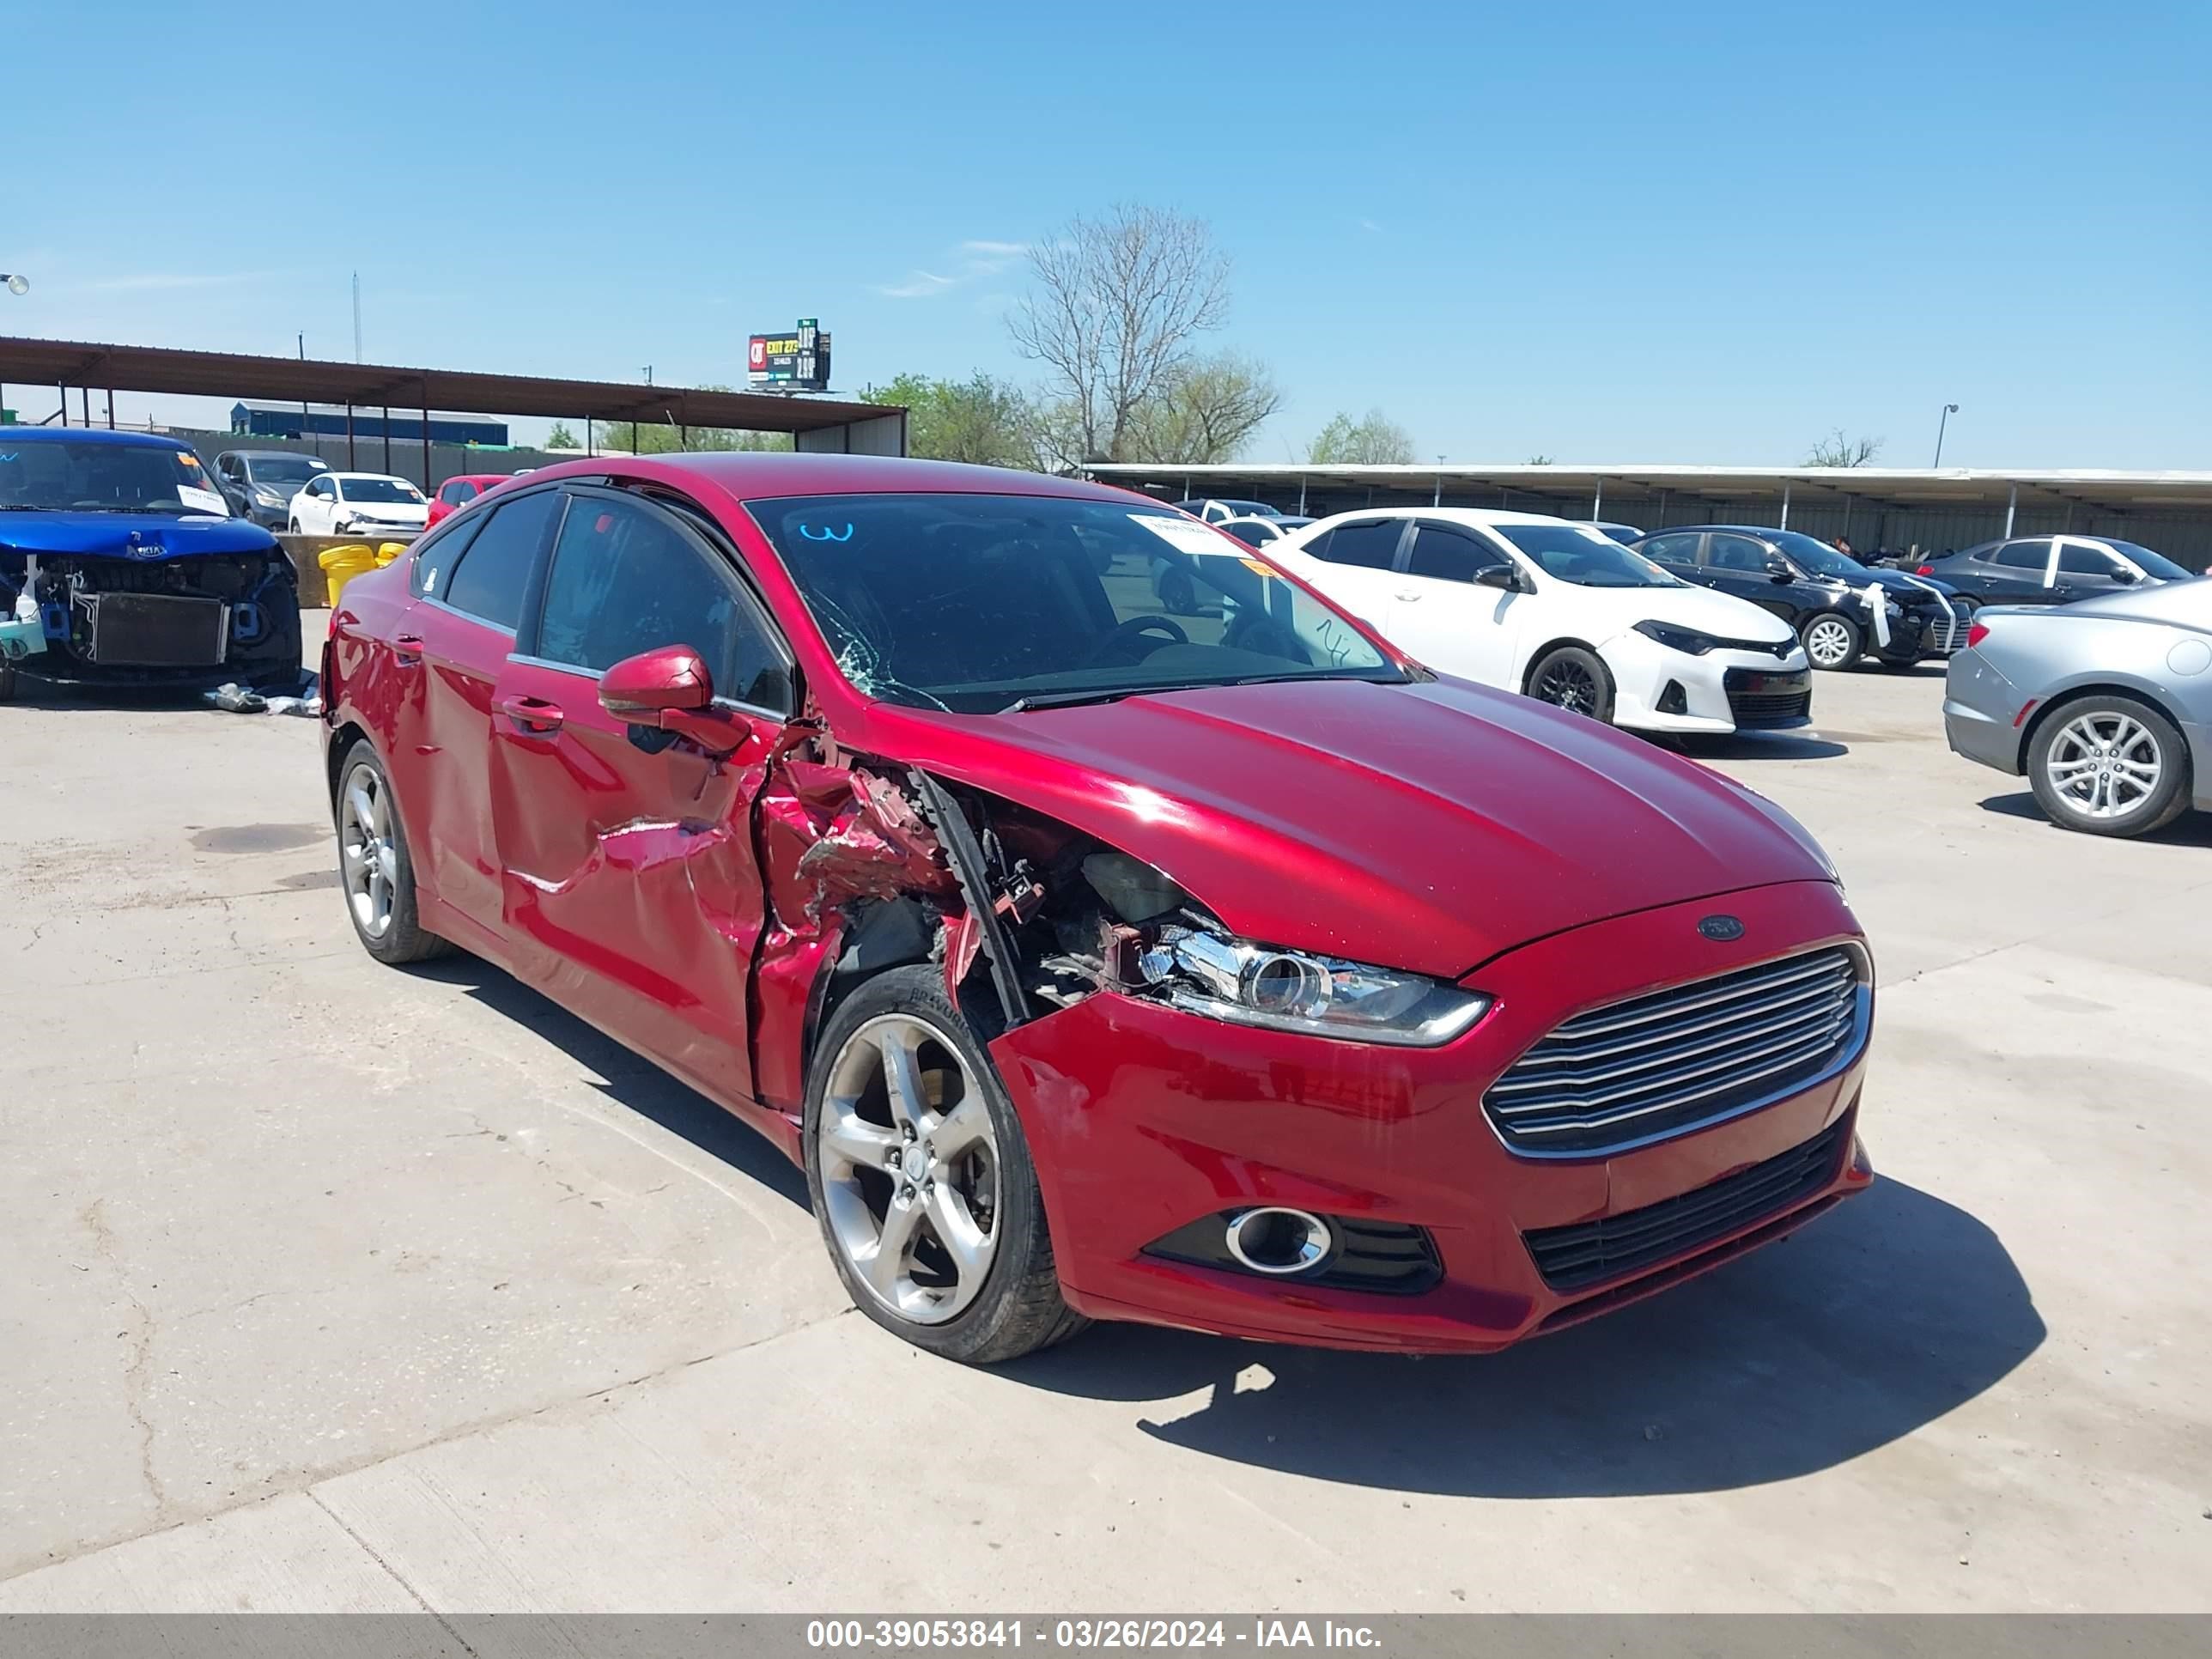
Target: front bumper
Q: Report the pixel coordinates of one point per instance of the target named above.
(1656, 689)
(1143, 1121)
(1918, 635)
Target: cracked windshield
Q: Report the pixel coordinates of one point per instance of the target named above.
(985, 603)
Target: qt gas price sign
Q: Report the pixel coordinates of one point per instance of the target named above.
(795, 360)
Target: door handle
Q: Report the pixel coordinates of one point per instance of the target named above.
(1407, 597)
(532, 716)
(407, 650)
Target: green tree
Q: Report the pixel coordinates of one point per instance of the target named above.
(1203, 411)
(658, 438)
(1374, 440)
(561, 438)
(980, 420)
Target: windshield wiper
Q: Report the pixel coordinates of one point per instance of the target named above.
(1101, 694)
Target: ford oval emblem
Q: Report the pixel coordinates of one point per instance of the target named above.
(1721, 929)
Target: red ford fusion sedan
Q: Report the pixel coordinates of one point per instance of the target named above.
(1220, 967)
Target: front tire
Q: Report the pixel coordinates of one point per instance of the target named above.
(1572, 677)
(921, 1179)
(296, 527)
(7, 683)
(2109, 765)
(1831, 641)
(375, 870)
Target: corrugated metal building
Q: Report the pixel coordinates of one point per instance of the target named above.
(1904, 509)
(275, 420)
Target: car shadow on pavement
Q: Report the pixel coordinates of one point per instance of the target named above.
(626, 1079)
(2190, 829)
(1760, 746)
(1871, 1323)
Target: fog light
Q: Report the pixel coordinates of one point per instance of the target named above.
(1673, 700)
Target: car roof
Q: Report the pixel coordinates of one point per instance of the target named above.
(1734, 529)
(96, 435)
(393, 477)
(278, 454)
(1472, 515)
(753, 476)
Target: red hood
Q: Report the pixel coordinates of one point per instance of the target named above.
(1426, 826)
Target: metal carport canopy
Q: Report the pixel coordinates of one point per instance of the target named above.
(2100, 489)
(228, 375)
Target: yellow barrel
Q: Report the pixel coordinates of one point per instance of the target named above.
(342, 564)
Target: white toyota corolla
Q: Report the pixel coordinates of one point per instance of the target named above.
(1561, 612)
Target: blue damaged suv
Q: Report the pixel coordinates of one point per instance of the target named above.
(121, 566)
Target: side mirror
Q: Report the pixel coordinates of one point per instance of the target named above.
(1779, 572)
(666, 694)
(2125, 577)
(1499, 575)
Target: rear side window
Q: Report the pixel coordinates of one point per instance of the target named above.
(488, 581)
(2024, 556)
(627, 578)
(1447, 553)
(1374, 543)
(433, 559)
(1738, 553)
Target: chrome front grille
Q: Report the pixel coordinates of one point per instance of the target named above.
(1654, 1065)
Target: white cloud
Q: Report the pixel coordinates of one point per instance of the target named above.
(919, 286)
(978, 258)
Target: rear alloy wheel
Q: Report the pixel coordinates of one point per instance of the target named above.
(1572, 677)
(921, 1179)
(1832, 642)
(375, 869)
(2109, 765)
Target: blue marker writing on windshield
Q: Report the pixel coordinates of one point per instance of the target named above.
(826, 534)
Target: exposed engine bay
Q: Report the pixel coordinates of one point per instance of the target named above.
(123, 621)
(870, 865)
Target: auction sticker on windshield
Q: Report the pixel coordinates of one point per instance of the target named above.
(206, 501)
(1187, 534)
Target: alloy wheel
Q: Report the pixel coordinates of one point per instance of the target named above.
(369, 861)
(1570, 685)
(909, 1165)
(2104, 764)
(1828, 643)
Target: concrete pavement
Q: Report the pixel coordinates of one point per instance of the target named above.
(332, 1287)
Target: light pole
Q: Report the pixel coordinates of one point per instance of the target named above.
(15, 284)
(633, 425)
(1942, 420)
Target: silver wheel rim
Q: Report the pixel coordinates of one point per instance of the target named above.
(367, 861)
(909, 1165)
(2103, 765)
(1828, 642)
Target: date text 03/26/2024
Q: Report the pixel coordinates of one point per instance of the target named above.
(1139, 1633)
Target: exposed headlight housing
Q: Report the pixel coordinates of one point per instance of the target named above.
(1250, 984)
(1687, 640)
(267, 496)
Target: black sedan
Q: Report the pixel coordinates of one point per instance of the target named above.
(2051, 569)
(1842, 609)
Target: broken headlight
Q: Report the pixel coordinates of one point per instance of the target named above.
(1250, 984)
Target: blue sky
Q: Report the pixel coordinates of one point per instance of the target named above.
(1697, 233)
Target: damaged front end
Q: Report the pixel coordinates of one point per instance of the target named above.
(870, 866)
(144, 616)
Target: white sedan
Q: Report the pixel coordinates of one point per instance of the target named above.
(359, 503)
(1561, 612)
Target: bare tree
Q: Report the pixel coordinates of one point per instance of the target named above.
(1840, 451)
(1117, 304)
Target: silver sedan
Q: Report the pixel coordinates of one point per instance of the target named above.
(2106, 706)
